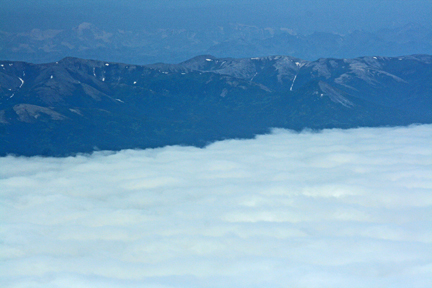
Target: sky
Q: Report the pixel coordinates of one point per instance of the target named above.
(304, 16)
(339, 208)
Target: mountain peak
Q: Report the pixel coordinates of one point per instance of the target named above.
(85, 26)
(75, 104)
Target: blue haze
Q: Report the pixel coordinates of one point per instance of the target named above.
(304, 16)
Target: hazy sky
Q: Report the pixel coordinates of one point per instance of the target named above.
(302, 15)
(341, 208)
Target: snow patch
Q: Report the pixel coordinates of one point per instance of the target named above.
(292, 85)
(135, 82)
(375, 57)
(2, 65)
(51, 77)
(103, 78)
(106, 64)
(119, 100)
(75, 111)
(94, 71)
(209, 59)
(22, 82)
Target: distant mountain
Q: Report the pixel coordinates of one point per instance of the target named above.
(76, 105)
(409, 39)
(235, 40)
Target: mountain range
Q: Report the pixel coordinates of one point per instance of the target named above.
(235, 40)
(79, 106)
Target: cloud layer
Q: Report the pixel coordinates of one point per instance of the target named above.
(340, 208)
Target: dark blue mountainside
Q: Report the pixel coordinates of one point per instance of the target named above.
(77, 105)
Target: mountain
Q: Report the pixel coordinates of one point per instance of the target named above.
(397, 41)
(76, 105)
(234, 40)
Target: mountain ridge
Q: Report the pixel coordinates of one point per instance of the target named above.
(235, 40)
(77, 106)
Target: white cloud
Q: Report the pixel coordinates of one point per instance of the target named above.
(340, 208)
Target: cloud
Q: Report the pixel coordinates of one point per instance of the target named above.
(339, 208)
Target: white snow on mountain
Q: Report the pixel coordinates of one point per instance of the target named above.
(22, 82)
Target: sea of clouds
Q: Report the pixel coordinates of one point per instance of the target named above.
(339, 208)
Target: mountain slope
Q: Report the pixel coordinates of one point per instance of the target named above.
(76, 105)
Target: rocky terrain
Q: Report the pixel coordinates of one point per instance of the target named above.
(77, 105)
